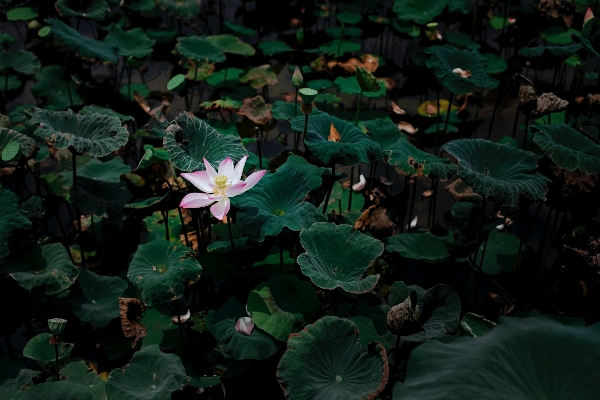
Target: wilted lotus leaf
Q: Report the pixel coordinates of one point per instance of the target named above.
(474, 325)
(180, 8)
(338, 256)
(408, 128)
(354, 146)
(270, 47)
(350, 85)
(326, 361)
(568, 148)
(463, 73)
(226, 105)
(366, 80)
(189, 139)
(79, 372)
(98, 302)
(418, 246)
(94, 109)
(199, 72)
(130, 311)
(501, 253)
(26, 145)
(109, 171)
(54, 89)
(548, 103)
(150, 375)
(161, 270)
(21, 61)
(419, 11)
(13, 388)
(38, 348)
(411, 161)
(134, 42)
(460, 191)
(256, 110)
(430, 108)
(590, 37)
(445, 59)
(275, 203)
(260, 76)
(527, 95)
(256, 346)
(402, 319)
(282, 305)
(81, 45)
(501, 173)
(546, 348)
(104, 199)
(96, 134)
(396, 109)
(93, 9)
(47, 266)
(61, 390)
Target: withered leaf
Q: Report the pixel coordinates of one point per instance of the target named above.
(256, 110)
(463, 73)
(131, 310)
(334, 135)
(397, 110)
(408, 128)
(548, 103)
(402, 319)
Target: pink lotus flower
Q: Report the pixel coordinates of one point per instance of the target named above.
(219, 186)
(244, 325)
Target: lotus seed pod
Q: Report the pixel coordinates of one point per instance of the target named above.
(308, 95)
(57, 325)
(402, 319)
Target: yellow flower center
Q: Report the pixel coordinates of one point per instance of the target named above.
(221, 186)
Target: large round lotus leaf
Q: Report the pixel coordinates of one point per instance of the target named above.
(93, 9)
(13, 389)
(326, 361)
(568, 148)
(590, 37)
(519, 359)
(130, 43)
(161, 329)
(501, 253)
(61, 390)
(353, 147)
(98, 302)
(495, 63)
(411, 161)
(150, 375)
(338, 256)
(444, 59)
(200, 49)
(21, 61)
(418, 246)
(500, 172)
(109, 171)
(560, 52)
(104, 199)
(38, 348)
(226, 76)
(460, 39)
(161, 270)
(54, 89)
(338, 47)
(419, 11)
(79, 372)
(180, 8)
(81, 45)
(27, 146)
(270, 47)
(48, 266)
(350, 85)
(96, 134)
(231, 44)
(95, 109)
(128, 91)
(282, 305)
(189, 139)
(277, 201)
(285, 111)
(383, 131)
(260, 76)
(256, 346)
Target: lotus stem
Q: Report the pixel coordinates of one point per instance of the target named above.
(187, 241)
(430, 205)
(350, 188)
(194, 85)
(280, 255)
(526, 131)
(56, 360)
(330, 189)
(165, 215)
(437, 121)
(304, 135)
(372, 173)
(258, 147)
(296, 103)
(496, 104)
(474, 261)
(448, 111)
(412, 203)
(360, 96)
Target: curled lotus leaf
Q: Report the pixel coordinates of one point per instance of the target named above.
(189, 139)
(104, 199)
(93, 9)
(133, 42)
(97, 135)
(338, 256)
(27, 146)
(500, 172)
(568, 148)
(590, 37)
(326, 361)
(411, 161)
(354, 146)
(260, 76)
(38, 348)
(161, 270)
(21, 61)
(418, 246)
(81, 45)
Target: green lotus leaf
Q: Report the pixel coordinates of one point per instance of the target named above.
(560, 52)
(354, 146)
(419, 11)
(282, 305)
(339, 32)
(104, 199)
(460, 39)
(161, 35)
(320, 84)
(94, 109)
(406, 28)
(277, 201)
(26, 145)
(495, 63)
(226, 76)
(7, 38)
(444, 59)
(57, 92)
(133, 42)
(466, 217)
(474, 325)
(232, 44)
(285, 111)
(339, 47)
(559, 35)
(499, 172)
(350, 85)
(38, 348)
(590, 37)
(338, 202)
(180, 8)
(11, 83)
(200, 49)
(338, 256)
(22, 14)
(33, 207)
(568, 148)
(240, 29)
(81, 45)
(537, 348)
(418, 246)
(199, 140)
(155, 224)
(21, 61)
(93, 9)
(399, 291)
(411, 161)
(501, 253)
(109, 171)
(98, 302)
(161, 330)
(270, 47)
(161, 270)
(150, 375)
(47, 266)
(440, 128)
(348, 17)
(79, 372)
(97, 135)
(383, 131)
(13, 389)
(326, 361)
(256, 346)
(366, 81)
(364, 319)
(260, 76)
(223, 246)
(128, 90)
(61, 390)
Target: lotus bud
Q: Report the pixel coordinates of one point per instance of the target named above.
(402, 319)
(57, 325)
(588, 15)
(300, 35)
(297, 78)
(308, 96)
(362, 182)
(244, 325)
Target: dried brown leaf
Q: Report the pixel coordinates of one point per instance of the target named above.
(334, 135)
(131, 310)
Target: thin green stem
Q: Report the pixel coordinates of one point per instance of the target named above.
(330, 189)
(360, 96)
